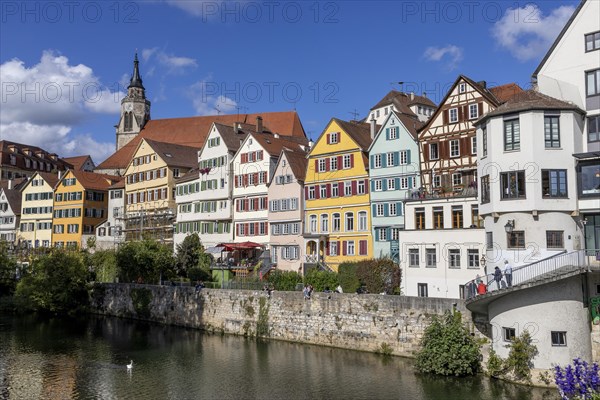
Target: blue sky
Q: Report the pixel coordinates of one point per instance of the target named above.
(64, 65)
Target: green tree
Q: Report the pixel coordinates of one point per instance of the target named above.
(104, 263)
(379, 275)
(447, 348)
(321, 279)
(520, 356)
(191, 255)
(57, 284)
(284, 280)
(8, 268)
(147, 260)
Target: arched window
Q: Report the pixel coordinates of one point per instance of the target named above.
(349, 222)
(128, 123)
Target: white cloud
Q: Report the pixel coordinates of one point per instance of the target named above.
(147, 53)
(197, 8)
(174, 64)
(206, 104)
(527, 33)
(454, 55)
(44, 104)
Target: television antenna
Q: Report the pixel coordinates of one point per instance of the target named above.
(355, 114)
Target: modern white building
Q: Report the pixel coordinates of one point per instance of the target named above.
(109, 234)
(528, 183)
(286, 211)
(570, 71)
(441, 246)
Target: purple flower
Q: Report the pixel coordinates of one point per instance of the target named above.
(577, 381)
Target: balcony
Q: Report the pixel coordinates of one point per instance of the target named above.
(437, 193)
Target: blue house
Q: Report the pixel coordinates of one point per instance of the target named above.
(394, 173)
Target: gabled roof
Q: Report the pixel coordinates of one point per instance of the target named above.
(50, 178)
(92, 180)
(503, 90)
(558, 39)
(13, 195)
(78, 162)
(297, 162)
(274, 145)
(118, 185)
(192, 131)
(175, 155)
(412, 126)
(360, 132)
(189, 176)
(59, 163)
(403, 101)
(231, 139)
(530, 100)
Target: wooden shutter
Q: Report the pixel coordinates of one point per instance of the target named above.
(328, 190)
(387, 133)
(426, 151)
(480, 109)
(339, 163)
(317, 191)
(408, 157)
(328, 138)
(255, 178)
(327, 248)
(305, 192)
(344, 247)
(341, 189)
(244, 158)
(353, 184)
(256, 231)
(327, 164)
(351, 160)
(362, 247)
(316, 165)
(445, 117)
(367, 186)
(245, 180)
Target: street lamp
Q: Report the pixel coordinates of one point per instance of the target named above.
(510, 225)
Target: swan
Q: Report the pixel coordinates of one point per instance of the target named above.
(130, 365)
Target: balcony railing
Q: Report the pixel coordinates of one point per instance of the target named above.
(554, 266)
(420, 194)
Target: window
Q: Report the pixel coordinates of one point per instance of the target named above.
(313, 223)
(391, 184)
(554, 239)
(593, 124)
(393, 209)
(379, 210)
(453, 115)
(350, 248)
(377, 161)
(335, 222)
(378, 185)
(554, 183)
(454, 148)
(485, 189)
(422, 290)
(347, 188)
(551, 131)
(362, 220)
(335, 190)
(454, 258)
(475, 221)
(322, 165)
(333, 248)
(589, 179)
(176, 172)
(512, 184)
(515, 240)
(334, 137)
(489, 240)
(437, 181)
(431, 258)
(393, 133)
(382, 234)
(360, 187)
(403, 157)
(434, 151)
(390, 159)
(456, 179)
(592, 82)
(333, 164)
(438, 218)
(311, 192)
(512, 135)
(558, 338)
(462, 88)
(349, 222)
(473, 111)
(472, 258)
(404, 182)
(324, 223)
(323, 191)
(413, 257)
(474, 145)
(484, 141)
(592, 41)
(347, 160)
(419, 218)
(457, 217)
(508, 334)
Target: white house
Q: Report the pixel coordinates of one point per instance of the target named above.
(109, 234)
(441, 246)
(10, 209)
(409, 104)
(527, 176)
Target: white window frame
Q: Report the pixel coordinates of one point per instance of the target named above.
(379, 210)
(378, 185)
(334, 137)
(377, 161)
(453, 115)
(350, 248)
(473, 111)
(390, 159)
(391, 184)
(362, 221)
(333, 164)
(393, 132)
(454, 148)
(393, 210)
(322, 164)
(346, 161)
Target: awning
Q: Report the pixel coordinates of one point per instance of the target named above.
(240, 246)
(214, 250)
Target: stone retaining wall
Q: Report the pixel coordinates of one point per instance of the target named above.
(351, 321)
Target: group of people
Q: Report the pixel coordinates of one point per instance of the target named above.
(269, 289)
(307, 291)
(480, 287)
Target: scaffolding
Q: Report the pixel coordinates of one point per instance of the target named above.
(155, 224)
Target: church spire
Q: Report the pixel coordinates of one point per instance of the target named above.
(136, 79)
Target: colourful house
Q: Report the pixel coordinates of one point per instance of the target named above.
(394, 175)
(337, 208)
(80, 204)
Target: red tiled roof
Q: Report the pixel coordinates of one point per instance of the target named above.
(360, 132)
(92, 180)
(59, 163)
(274, 145)
(297, 162)
(192, 131)
(505, 92)
(77, 161)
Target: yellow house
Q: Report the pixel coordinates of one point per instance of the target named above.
(336, 192)
(150, 188)
(80, 203)
(37, 200)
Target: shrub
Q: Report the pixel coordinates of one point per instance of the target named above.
(146, 259)
(284, 280)
(447, 348)
(495, 364)
(348, 278)
(379, 275)
(321, 280)
(104, 263)
(578, 381)
(8, 267)
(520, 356)
(198, 274)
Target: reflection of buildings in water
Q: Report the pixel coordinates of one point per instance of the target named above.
(23, 375)
(59, 378)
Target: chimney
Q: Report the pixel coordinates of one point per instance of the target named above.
(276, 135)
(412, 96)
(424, 94)
(235, 128)
(373, 128)
(310, 144)
(10, 184)
(483, 84)
(259, 124)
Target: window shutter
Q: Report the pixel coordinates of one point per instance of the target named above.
(367, 186)
(339, 163)
(327, 164)
(306, 192)
(255, 178)
(426, 151)
(410, 182)
(246, 204)
(373, 185)
(445, 117)
(372, 161)
(399, 208)
(384, 160)
(237, 205)
(264, 175)
(328, 138)
(244, 158)
(326, 248)
(328, 190)
(408, 157)
(256, 232)
(237, 229)
(203, 185)
(384, 185)
(386, 210)
(245, 180)
(374, 209)
(387, 133)
(255, 200)
(363, 247)
(351, 160)
(260, 155)
(344, 247)
(316, 165)
(353, 184)
(266, 228)
(396, 158)
(480, 108)
(341, 189)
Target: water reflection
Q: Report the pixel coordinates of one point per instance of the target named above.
(86, 359)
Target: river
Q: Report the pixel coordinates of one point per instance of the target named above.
(55, 358)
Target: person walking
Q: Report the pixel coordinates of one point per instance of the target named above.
(497, 276)
(508, 273)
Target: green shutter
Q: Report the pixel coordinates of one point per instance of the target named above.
(203, 186)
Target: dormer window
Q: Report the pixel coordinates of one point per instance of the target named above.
(168, 155)
(13, 159)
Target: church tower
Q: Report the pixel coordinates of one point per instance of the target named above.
(135, 109)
